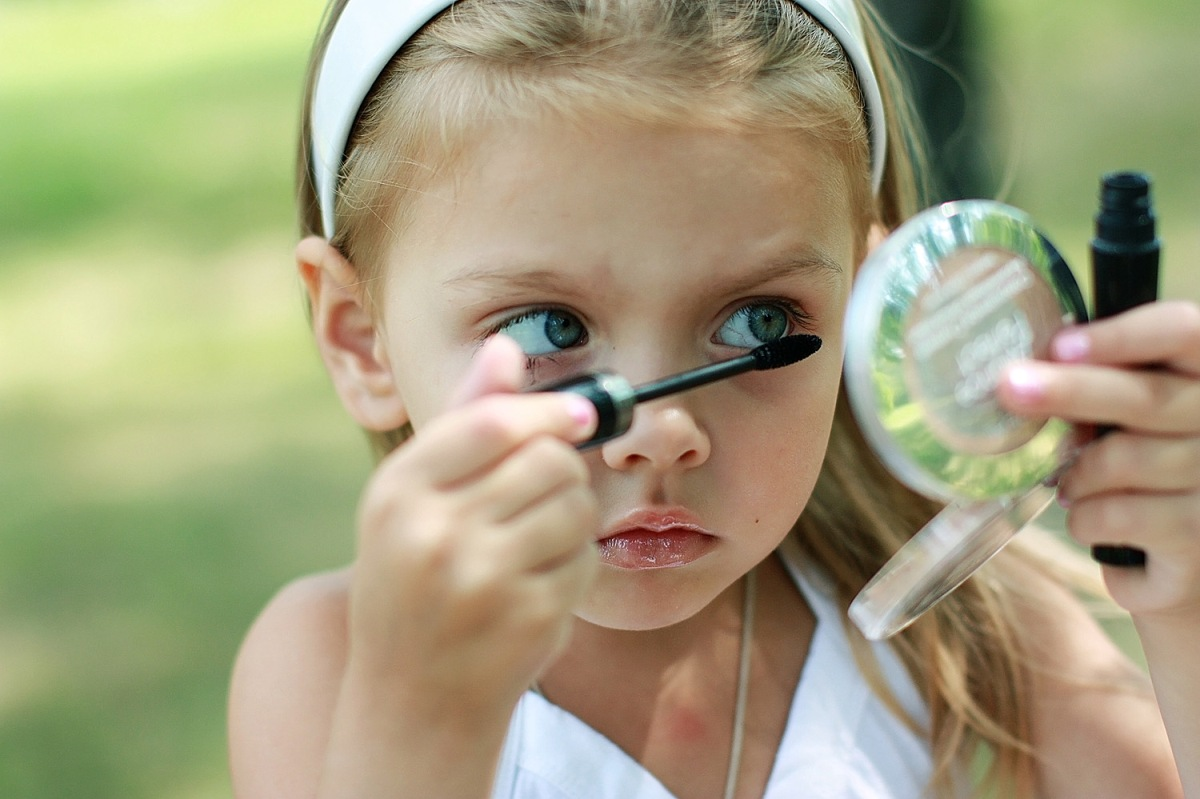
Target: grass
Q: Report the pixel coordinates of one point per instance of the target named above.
(170, 451)
(1084, 88)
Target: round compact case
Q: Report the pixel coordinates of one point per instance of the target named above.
(939, 309)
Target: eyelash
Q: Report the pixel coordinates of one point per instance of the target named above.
(795, 313)
(532, 362)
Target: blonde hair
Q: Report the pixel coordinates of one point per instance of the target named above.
(753, 64)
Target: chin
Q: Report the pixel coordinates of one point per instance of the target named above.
(648, 600)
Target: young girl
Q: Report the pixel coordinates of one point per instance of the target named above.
(501, 193)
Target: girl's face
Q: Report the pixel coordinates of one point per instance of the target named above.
(644, 251)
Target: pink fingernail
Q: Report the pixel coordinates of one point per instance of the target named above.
(581, 410)
(1071, 345)
(1027, 383)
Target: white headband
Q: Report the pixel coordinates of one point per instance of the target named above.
(369, 33)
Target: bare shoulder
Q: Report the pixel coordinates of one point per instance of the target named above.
(1095, 721)
(284, 688)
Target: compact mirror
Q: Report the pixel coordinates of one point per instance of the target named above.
(938, 310)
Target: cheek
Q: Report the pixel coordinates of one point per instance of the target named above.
(776, 451)
(426, 370)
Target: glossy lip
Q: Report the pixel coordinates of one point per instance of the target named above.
(656, 539)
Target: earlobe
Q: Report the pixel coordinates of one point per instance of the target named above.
(347, 337)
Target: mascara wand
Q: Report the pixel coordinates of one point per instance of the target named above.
(615, 398)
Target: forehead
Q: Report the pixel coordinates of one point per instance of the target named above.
(608, 189)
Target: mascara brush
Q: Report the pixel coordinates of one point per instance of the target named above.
(615, 398)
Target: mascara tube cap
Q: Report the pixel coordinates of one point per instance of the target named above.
(1125, 250)
(613, 397)
(1126, 217)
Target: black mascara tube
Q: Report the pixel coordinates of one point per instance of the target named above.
(1125, 256)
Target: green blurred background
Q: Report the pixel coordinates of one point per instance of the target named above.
(170, 451)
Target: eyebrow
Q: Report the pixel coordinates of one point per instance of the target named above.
(508, 276)
(810, 263)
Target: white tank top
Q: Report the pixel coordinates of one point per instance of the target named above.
(840, 742)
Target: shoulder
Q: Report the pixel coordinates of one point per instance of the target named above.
(284, 688)
(1096, 726)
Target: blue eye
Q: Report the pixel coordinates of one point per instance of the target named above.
(545, 331)
(755, 324)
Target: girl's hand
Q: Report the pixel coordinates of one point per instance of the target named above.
(476, 542)
(1140, 484)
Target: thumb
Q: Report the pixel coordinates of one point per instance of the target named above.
(498, 367)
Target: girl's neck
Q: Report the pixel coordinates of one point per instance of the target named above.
(667, 696)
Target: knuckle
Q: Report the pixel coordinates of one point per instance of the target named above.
(1186, 463)
(585, 508)
(1090, 467)
(405, 531)
(1111, 518)
(572, 466)
(377, 508)
(433, 545)
(1099, 465)
(548, 450)
(1117, 459)
(1191, 521)
(547, 612)
(493, 425)
(557, 459)
(1188, 314)
(481, 582)
(1099, 519)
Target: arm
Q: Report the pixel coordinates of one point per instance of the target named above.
(1096, 727)
(1138, 486)
(1172, 649)
(301, 725)
(397, 678)
(284, 689)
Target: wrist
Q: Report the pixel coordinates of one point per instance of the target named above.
(390, 740)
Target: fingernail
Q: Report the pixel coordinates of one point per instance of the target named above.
(1027, 383)
(1071, 345)
(1063, 500)
(581, 411)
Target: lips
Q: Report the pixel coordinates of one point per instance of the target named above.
(656, 540)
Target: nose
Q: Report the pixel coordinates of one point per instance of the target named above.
(664, 436)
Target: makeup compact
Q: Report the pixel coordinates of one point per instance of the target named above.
(939, 309)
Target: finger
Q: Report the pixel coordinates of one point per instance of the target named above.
(570, 580)
(1165, 525)
(538, 469)
(1162, 334)
(488, 594)
(462, 444)
(1157, 402)
(550, 598)
(496, 368)
(1123, 462)
(1164, 585)
(552, 532)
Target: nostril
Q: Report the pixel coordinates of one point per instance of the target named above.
(663, 437)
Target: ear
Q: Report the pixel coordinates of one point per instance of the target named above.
(347, 337)
(875, 236)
